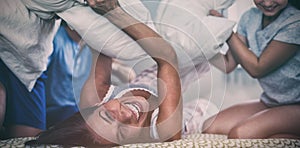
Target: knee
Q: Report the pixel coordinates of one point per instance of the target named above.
(208, 127)
(240, 132)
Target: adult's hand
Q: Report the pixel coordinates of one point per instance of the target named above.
(103, 6)
(215, 13)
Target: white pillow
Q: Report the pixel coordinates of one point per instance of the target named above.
(186, 25)
(26, 53)
(105, 37)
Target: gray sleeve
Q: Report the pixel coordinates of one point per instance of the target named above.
(289, 34)
(241, 28)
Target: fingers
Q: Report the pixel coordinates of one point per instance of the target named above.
(97, 3)
(102, 3)
(215, 13)
(103, 6)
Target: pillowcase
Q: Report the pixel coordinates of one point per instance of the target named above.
(100, 34)
(187, 25)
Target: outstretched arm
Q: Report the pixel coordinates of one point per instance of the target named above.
(98, 82)
(169, 90)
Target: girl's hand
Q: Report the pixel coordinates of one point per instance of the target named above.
(215, 13)
(103, 6)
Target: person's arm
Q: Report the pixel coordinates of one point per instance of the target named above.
(168, 85)
(169, 89)
(98, 82)
(226, 63)
(275, 54)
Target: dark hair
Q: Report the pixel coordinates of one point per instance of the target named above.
(63, 23)
(295, 3)
(73, 131)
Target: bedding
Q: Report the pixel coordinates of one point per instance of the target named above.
(193, 140)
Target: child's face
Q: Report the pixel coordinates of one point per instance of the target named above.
(271, 7)
(120, 119)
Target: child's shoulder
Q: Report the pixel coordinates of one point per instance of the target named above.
(251, 13)
(295, 13)
(291, 17)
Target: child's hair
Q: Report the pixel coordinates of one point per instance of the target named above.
(71, 132)
(63, 23)
(295, 3)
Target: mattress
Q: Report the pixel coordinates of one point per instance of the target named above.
(193, 140)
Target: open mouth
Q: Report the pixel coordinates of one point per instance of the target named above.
(135, 109)
(270, 9)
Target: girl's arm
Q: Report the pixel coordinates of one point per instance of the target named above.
(275, 55)
(98, 82)
(225, 63)
(169, 89)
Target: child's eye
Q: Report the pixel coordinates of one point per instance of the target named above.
(109, 116)
(105, 115)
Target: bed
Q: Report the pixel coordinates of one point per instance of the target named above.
(193, 140)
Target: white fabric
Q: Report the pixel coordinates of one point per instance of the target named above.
(108, 95)
(187, 25)
(195, 112)
(26, 39)
(46, 9)
(105, 37)
(188, 74)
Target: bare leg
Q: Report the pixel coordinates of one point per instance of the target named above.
(276, 122)
(288, 136)
(21, 131)
(224, 121)
(2, 108)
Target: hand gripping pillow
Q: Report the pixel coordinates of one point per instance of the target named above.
(186, 25)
